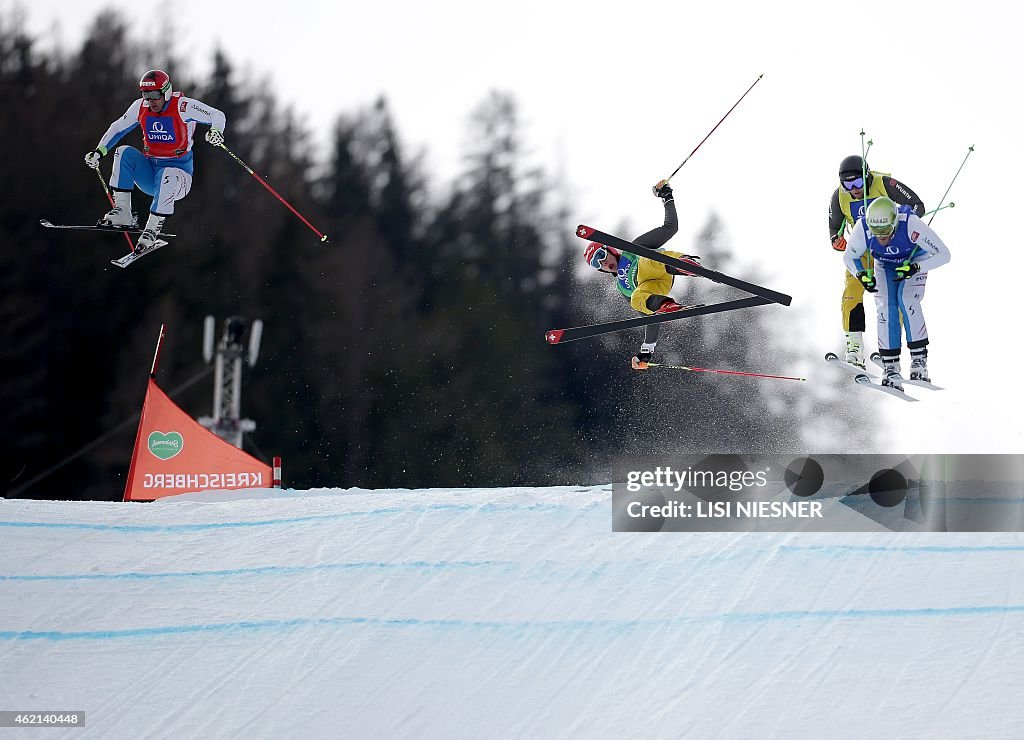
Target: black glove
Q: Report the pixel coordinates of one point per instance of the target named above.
(663, 190)
(868, 281)
(906, 270)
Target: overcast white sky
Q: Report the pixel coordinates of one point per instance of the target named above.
(617, 94)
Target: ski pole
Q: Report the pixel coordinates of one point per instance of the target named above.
(110, 197)
(969, 150)
(722, 372)
(951, 204)
(712, 130)
(264, 183)
(864, 163)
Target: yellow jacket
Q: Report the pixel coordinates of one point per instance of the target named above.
(652, 278)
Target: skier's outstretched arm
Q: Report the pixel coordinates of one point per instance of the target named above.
(123, 125)
(657, 237)
(856, 246)
(902, 195)
(836, 219)
(200, 112)
(931, 250)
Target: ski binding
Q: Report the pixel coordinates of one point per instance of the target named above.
(877, 359)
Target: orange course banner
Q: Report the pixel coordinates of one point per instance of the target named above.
(174, 454)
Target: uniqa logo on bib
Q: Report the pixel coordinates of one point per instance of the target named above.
(157, 132)
(165, 445)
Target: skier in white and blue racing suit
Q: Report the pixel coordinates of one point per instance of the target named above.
(163, 169)
(904, 249)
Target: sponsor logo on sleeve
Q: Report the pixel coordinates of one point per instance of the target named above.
(165, 445)
(183, 106)
(914, 235)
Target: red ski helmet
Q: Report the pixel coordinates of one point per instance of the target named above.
(156, 80)
(595, 253)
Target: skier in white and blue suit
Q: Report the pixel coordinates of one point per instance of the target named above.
(904, 249)
(163, 169)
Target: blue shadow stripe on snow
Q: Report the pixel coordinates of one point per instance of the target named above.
(591, 569)
(265, 570)
(285, 625)
(430, 508)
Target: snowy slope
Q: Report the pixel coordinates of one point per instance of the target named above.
(485, 613)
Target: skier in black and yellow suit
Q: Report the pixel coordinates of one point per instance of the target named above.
(644, 282)
(848, 197)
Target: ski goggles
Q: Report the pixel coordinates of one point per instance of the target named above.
(598, 257)
(152, 95)
(854, 184)
(882, 229)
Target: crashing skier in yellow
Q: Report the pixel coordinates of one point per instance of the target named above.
(644, 282)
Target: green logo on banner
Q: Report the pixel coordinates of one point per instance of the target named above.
(165, 446)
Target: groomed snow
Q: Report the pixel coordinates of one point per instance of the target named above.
(496, 613)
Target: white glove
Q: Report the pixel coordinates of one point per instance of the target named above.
(215, 136)
(92, 159)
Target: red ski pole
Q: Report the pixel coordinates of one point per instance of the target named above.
(722, 372)
(713, 130)
(264, 183)
(110, 197)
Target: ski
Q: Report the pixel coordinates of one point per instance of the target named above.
(833, 359)
(867, 382)
(132, 256)
(108, 229)
(877, 359)
(560, 336)
(587, 232)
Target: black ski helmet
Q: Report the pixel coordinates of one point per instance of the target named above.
(853, 166)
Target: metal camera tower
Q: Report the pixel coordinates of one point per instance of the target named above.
(226, 421)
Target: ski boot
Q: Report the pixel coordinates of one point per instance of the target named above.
(669, 306)
(121, 214)
(919, 366)
(855, 349)
(644, 356)
(891, 377)
(149, 235)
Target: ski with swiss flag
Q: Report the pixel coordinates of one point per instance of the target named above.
(609, 240)
(561, 336)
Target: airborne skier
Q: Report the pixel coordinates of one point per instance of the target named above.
(854, 194)
(904, 249)
(644, 282)
(163, 169)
